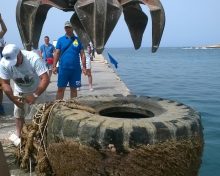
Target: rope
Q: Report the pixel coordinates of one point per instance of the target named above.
(34, 135)
(42, 135)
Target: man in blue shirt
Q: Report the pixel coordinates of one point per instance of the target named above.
(68, 52)
(46, 52)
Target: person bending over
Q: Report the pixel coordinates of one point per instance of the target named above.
(30, 77)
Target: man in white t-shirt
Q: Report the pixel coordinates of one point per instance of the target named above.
(29, 74)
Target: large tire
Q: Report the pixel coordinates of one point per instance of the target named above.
(125, 122)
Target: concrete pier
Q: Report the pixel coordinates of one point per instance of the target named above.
(105, 81)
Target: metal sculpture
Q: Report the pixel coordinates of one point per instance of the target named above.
(93, 20)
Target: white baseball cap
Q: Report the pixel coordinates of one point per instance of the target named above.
(68, 24)
(9, 53)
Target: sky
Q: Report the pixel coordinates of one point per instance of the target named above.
(188, 23)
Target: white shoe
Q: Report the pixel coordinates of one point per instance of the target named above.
(15, 139)
(91, 89)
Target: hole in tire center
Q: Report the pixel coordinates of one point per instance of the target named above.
(126, 112)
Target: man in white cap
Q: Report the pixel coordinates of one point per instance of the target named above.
(29, 74)
(68, 52)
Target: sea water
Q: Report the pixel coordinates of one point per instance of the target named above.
(191, 76)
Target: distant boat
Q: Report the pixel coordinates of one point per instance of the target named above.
(201, 47)
(213, 46)
(204, 47)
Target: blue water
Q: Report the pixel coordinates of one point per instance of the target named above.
(191, 76)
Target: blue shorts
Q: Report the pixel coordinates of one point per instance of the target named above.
(71, 76)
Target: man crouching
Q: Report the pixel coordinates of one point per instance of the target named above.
(29, 74)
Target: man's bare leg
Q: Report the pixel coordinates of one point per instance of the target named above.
(50, 74)
(19, 124)
(60, 93)
(73, 92)
(89, 74)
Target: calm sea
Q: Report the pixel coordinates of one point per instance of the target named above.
(191, 76)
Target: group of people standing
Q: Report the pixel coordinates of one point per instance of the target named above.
(31, 75)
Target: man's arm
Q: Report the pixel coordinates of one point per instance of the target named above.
(41, 54)
(55, 60)
(3, 26)
(44, 82)
(6, 87)
(54, 49)
(41, 51)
